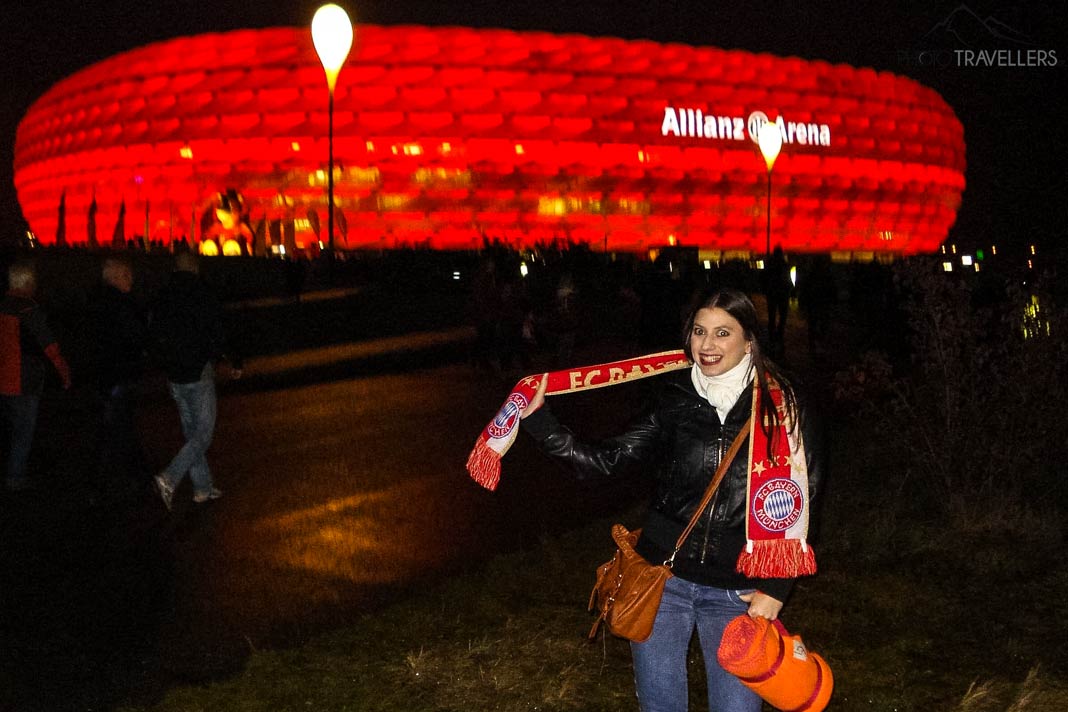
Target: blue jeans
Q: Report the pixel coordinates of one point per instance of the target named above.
(660, 662)
(20, 416)
(197, 409)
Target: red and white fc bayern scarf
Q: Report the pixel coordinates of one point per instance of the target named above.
(776, 525)
(777, 496)
(484, 463)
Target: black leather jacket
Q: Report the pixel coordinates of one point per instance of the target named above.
(681, 439)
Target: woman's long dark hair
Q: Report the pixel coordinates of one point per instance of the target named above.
(739, 306)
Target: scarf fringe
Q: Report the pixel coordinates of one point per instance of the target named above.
(777, 558)
(484, 465)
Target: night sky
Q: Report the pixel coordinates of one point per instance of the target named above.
(1014, 116)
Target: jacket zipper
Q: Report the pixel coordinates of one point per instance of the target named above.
(715, 499)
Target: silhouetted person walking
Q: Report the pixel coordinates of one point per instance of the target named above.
(187, 339)
(26, 346)
(777, 290)
(485, 312)
(817, 294)
(118, 342)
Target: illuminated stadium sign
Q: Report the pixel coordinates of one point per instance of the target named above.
(697, 123)
(447, 137)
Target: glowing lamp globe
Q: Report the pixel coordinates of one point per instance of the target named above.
(332, 36)
(770, 141)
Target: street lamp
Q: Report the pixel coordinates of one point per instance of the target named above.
(770, 141)
(332, 36)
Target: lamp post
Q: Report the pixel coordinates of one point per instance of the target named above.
(332, 36)
(770, 141)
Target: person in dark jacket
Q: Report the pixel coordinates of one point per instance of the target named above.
(777, 289)
(26, 348)
(118, 341)
(681, 436)
(187, 338)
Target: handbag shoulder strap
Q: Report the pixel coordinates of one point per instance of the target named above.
(721, 471)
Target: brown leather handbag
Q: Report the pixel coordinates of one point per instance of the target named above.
(628, 589)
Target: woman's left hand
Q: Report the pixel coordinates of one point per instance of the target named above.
(761, 605)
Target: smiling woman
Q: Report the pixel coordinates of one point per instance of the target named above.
(733, 549)
(718, 342)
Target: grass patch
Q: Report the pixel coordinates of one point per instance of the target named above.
(511, 636)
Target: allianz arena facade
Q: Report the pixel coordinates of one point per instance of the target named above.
(447, 137)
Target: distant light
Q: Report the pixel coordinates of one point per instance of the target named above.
(456, 275)
(331, 32)
(966, 260)
(943, 249)
(185, 152)
(760, 264)
(793, 275)
(370, 146)
(295, 146)
(672, 240)
(976, 266)
(1034, 323)
(523, 269)
(708, 264)
(770, 140)
(993, 249)
(552, 206)
(980, 255)
(209, 248)
(232, 248)
(954, 248)
(1032, 249)
(1030, 264)
(519, 150)
(947, 266)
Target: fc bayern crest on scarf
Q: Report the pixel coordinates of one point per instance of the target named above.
(507, 417)
(778, 504)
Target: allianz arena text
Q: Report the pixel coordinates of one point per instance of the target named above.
(448, 137)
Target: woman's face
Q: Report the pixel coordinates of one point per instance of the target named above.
(717, 341)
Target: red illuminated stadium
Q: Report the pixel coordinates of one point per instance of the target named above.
(447, 136)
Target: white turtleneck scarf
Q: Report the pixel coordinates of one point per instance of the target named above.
(723, 391)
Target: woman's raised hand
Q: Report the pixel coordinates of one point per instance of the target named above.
(539, 398)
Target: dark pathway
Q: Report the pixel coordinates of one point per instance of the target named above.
(340, 495)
